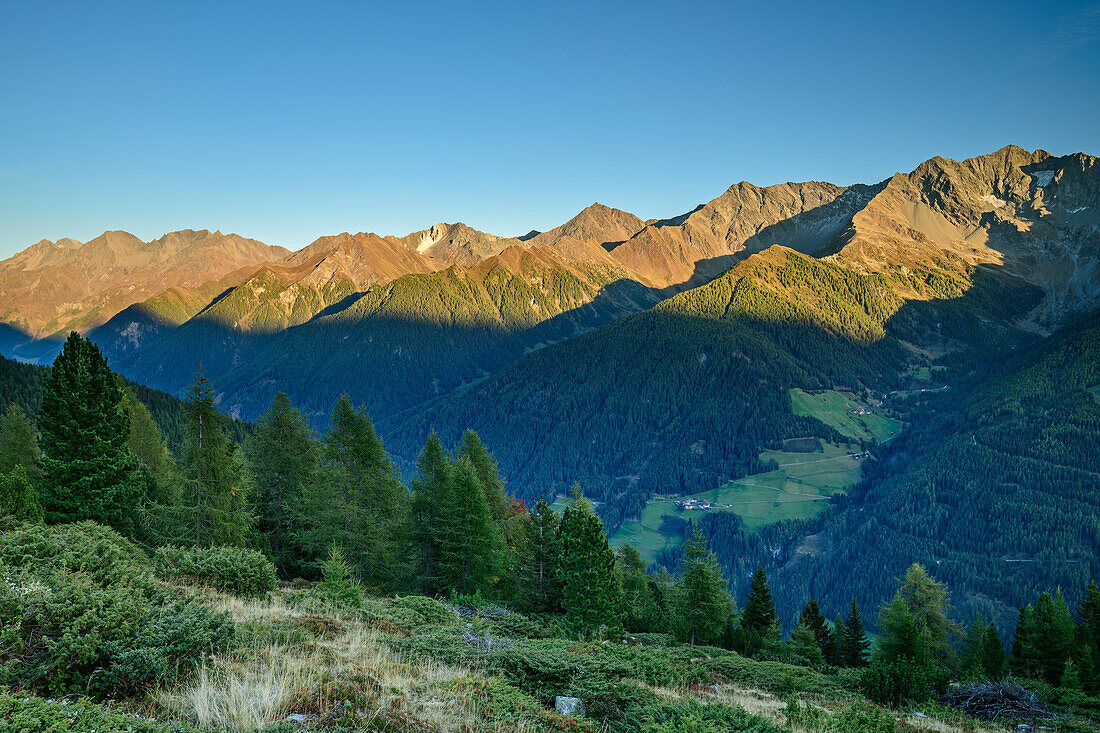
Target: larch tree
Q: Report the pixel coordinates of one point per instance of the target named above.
(591, 587)
(18, 498)
(357, 499)
(88, 471)
(431, 490)
(211, 506)
(701, 600)
(639, 596)
(471, 551)
(543, 555)
(282, 456)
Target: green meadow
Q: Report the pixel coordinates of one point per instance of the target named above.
(800, 487)
(835, 410)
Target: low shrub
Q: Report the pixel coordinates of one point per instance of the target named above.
(892, 683)
(432, 611)
(30, 714)
(90, 618)
(775, 677)
(229, 569)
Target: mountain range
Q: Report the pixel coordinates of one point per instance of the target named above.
(644, 357)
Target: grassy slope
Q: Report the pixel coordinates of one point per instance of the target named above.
(798, 489)
(836, 411)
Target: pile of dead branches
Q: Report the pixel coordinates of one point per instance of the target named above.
(998, 701)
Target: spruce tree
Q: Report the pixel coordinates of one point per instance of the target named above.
(543, 555)
(1024, 660)
(88, 471)
(991, 654)
(856, 644)
(471, 551)
(702, 601)
(19, 443)
(431, 490)
(759, 615)
(1088, 614)
(591, 590)
(18, 498)
(282, 457)
(211, 506)
(812, 618)
(838, 657)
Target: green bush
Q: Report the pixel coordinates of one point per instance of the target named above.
(775, 677)
(432, 611)
(90, 618)
(30, 714)
(229, 569)
(102, 554)
(892, 683)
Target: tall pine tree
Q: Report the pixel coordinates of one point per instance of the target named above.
(543, 555)
(703, 604)
(211, 506)
(855, 645)
(471, 551)
(759, 615)
(88, 471)
(812, 619)
(19, 443)
(591, 588)
(282, 456)
(358, 500)
(431, 491)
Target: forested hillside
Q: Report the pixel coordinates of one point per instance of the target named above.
(21, 384)
(685, 396)
(997, 490)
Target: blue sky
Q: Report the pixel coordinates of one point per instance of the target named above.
(287, 121)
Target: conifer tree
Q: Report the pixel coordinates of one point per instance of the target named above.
(88, 471)
(838, 657)
(702, 601)
(211, 506)
(928, 601)
(639, 599)
(856, 644)
(812, 618)
(1024, 658)
(19, 443)
(991, 654)
(1088, 614)
(356, 500)
(1052, 635)
(804, 643)
(485, 466)
(759, 615)
(543, 555)
(591, 589)
(18, 498)
(282, 457)
(471, 551)
(431, 491)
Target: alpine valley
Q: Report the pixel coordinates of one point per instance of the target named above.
(829, 382)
